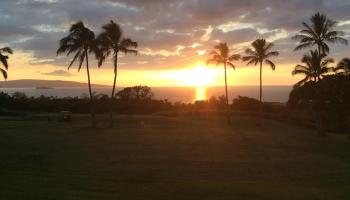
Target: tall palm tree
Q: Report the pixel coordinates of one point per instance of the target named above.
(315, 66)
(343, 67)
(221, 56)
(3, 59)
(260, 53)
(320, 32)
(81, 41)
(111, 42)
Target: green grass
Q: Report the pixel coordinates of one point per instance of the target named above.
(155, 157)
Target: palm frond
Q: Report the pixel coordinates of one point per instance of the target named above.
(214, 60)
(301, 69)
(269, 62)
(234, 57)
(268, 46)
(272, 53)
(127, 43)
(327, 61)
(301, 82)
(81, 60)
(129, 51)
(251, 61)
(251, 52)
(319, 33)
(6, 50)
(4, 73)
(231, 65)
(80, 41)
(338, 40)
(3, 60)
(74, 58)
(247, 58)
(113, 32)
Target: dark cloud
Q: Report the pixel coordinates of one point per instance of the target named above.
(236, 36)
(160, 26)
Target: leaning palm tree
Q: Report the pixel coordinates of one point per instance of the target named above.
(260, 53)
(343, 67)
(315, 66)
(81, 41)
(3, 59)
(221, 55)
(111, 42)
(319, 33)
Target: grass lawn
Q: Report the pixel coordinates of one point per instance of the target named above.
(155, 157)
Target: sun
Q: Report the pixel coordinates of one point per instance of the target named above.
(199, 76)
(200, 94)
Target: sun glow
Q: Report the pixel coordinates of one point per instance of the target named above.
(200, 94)
(199, 77)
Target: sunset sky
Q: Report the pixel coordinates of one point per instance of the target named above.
(174, 37)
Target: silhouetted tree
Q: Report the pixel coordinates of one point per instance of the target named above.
(343, 67)
(315, 66)
(19, 95)
(3, 59)
(320, 32)
(221, 55)
(329, 97)
(261, 52)
(81, 41)
(111, 42)
(139, 93)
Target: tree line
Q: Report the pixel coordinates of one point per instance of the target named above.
(130, 100)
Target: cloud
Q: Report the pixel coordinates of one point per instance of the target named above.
(162, 26)
(57, 73)
(236, 36)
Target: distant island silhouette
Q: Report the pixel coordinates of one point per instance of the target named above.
(39, 84)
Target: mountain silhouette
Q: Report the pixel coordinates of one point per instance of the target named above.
(34, 83)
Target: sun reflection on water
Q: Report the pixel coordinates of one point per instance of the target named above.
(200, 94)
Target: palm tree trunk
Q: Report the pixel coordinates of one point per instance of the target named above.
(348, 127)
(260, 97)
(319, 49)
(227, 105)
(93, 122)
(113, 90)
(320, 124)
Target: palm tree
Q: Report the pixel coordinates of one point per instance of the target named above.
(221, 55)
(81, 41)
(315, 66)
(111, 42)
(3, 59)
(343, 67)
(261, 52)
(320, 32)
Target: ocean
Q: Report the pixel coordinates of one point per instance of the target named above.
(173, 94)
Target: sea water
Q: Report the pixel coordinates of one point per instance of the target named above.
(173, 94)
